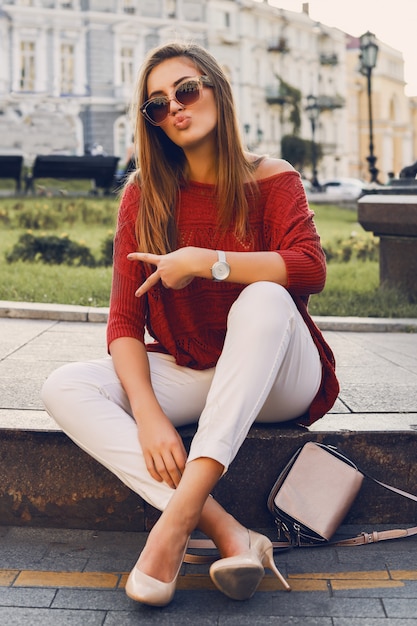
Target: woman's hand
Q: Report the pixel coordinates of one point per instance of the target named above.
(174, 269)
(163, 450)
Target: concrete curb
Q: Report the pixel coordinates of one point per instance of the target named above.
(73, 313)
(58, 312)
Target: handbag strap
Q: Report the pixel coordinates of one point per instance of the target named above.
(201, 544)
(375, 536)
(208, 544)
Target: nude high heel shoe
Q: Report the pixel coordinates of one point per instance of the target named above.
(238, 577)
(148, 590)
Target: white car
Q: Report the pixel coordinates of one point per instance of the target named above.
(344, 188)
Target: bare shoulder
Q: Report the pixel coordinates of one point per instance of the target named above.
(270, 167)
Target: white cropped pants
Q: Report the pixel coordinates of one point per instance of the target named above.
(269, 371)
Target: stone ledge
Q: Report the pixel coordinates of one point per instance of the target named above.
(48, 481)
(394, 215)
(59, 312)
(72, 313)
(366, 324)
(36, 420)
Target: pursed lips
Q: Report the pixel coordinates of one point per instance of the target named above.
(182, 121)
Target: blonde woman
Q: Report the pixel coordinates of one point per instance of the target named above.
(216, 255)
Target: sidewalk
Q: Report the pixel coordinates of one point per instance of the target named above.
(75, 577)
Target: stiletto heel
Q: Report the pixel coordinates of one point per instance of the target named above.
(268, 561)
(238, 577)
(148, 590)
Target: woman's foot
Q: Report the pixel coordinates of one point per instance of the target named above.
(153, 579)
(239, 576)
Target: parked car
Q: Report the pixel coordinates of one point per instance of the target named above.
(307, 185)
(344, 188)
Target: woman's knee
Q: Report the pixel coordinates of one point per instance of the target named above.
(73, 382)
(263, 304)
(53, 384)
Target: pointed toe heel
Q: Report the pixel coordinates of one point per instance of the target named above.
(147, 590)
(238, 577)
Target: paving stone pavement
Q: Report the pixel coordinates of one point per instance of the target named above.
(69, 577)
(76, 577)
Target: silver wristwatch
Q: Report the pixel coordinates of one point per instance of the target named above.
(221, 269)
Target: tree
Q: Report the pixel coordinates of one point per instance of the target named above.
(299, 152)
(290, 98)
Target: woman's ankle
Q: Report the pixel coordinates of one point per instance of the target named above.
(226, 532)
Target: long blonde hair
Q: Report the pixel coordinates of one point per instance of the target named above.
(162, 164)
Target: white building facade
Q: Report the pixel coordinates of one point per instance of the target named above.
(67, 69)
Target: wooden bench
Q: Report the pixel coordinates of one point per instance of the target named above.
(11, 167)
(100, 169)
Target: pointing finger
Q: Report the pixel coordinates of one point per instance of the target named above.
(148, 284)
(146, 257)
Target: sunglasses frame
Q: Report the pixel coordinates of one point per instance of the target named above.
(202, 81)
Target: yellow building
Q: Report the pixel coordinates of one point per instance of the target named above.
(413, 109)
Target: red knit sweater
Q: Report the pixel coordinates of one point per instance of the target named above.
(190, 323)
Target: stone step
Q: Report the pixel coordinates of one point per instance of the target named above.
(49, 482)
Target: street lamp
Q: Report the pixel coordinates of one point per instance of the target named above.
(368, 56)
(313, 112)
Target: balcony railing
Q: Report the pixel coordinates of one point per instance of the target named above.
(329, 59)
(328, 103)
(276, 95)
(278, 44)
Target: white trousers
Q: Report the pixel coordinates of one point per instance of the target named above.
(269, 371)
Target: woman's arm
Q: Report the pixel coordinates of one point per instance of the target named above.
(177, 269)
(162, 446)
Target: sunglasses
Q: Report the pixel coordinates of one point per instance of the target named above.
(186, 93)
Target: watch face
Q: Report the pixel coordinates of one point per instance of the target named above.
(220, 270)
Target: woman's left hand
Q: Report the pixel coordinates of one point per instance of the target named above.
(172, 269)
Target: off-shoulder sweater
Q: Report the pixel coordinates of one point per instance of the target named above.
(190, 323)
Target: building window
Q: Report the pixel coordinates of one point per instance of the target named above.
(27, 65)
(129, 6)
(67, 68)
(171, 8)
(126, 66)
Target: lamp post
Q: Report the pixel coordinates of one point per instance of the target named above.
(313, 112)
(368, 56)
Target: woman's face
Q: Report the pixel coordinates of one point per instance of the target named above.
(188, 127)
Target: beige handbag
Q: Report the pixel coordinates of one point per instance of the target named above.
(313, 494)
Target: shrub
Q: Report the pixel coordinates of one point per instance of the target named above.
(354, 247)
(51, 249)
(53, 213)
(107, 250)
(40, 216)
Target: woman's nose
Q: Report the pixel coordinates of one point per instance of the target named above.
(174, 106)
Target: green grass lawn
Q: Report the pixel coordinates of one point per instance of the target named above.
(352, 288)
(333, 222)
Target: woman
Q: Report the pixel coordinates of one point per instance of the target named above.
(216, 254)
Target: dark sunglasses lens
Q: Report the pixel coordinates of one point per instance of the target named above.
(188, 92)
(157, 110)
